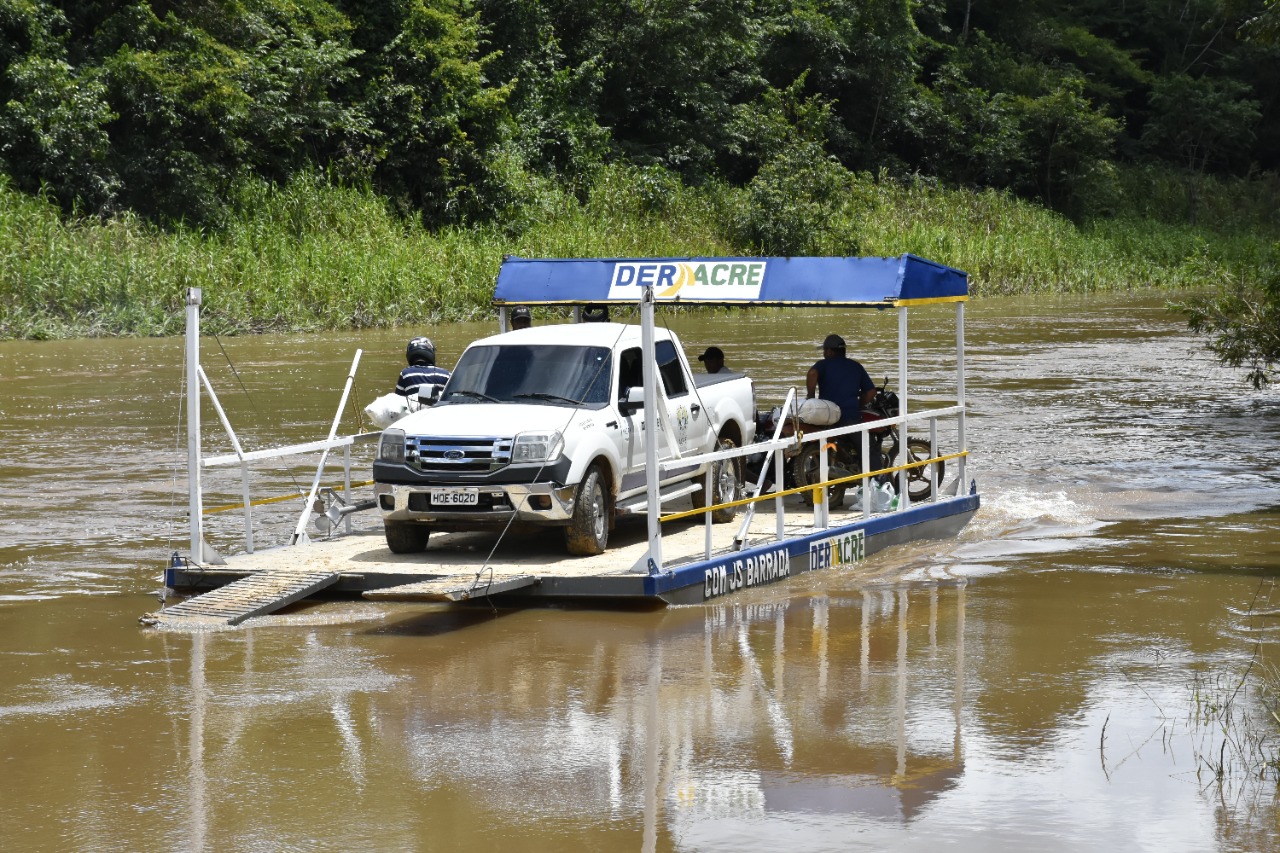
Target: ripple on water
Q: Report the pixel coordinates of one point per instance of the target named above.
(59, 694)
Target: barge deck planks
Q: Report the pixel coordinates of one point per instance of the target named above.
(364, 563)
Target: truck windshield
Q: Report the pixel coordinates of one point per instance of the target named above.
(554, 374)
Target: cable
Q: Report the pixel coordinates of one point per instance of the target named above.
(177, 454)
(252, 405)
(177, 451)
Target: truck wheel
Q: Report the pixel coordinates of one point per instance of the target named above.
(588, 530)
(726, 485)
(406, 537)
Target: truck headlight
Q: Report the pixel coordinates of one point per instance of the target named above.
(391, 446)
(537, 447)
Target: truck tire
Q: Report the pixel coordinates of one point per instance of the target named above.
(726, 483)
(588, 530)
(406, 537)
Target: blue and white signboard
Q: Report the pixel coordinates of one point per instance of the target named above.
(873, 282)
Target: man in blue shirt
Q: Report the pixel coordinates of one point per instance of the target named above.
(422, 370)
(840, 380)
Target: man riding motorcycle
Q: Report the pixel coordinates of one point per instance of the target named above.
(841, 380)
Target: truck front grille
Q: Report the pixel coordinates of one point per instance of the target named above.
(457, 455)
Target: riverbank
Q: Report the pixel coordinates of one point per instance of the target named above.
(309, 256)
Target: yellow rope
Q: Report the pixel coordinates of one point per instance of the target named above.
(797, 490)
(263, 501)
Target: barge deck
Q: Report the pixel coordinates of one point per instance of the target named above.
(523, 568)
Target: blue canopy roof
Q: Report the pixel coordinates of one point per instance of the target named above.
(876, 282)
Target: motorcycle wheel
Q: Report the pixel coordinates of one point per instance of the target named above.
(805, 471)
(726, 481)
(918, 485)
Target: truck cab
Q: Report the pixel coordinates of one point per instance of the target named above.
(545, 427)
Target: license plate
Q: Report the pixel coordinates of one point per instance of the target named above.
(455, 497)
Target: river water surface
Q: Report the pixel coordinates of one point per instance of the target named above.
(1065, 675)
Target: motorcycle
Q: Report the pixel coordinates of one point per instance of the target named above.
(844, 457)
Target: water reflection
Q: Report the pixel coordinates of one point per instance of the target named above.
(675, 722)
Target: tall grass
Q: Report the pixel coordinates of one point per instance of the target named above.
(310, 255)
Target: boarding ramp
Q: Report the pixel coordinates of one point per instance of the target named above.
(454, 588)
(256, 595)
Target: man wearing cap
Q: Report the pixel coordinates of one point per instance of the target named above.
(595, 313)
(521, 318)
(840, 380)
(713, 360)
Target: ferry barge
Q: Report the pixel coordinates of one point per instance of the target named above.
(676, 556)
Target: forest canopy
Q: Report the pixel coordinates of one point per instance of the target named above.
(447, 108)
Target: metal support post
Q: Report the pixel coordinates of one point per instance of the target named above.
(652, 397)
(960, 395)
(903, 449)
(244, 464)
(195, 507)
(299, 533)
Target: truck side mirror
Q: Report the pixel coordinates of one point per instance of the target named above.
(632, 399)
(429, 395)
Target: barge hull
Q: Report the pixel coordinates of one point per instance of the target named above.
(364, 564)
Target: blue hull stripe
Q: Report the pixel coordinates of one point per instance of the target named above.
(694, 574)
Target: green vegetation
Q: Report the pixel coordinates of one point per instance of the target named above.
(312, 256)
(1241, 316)
(324, 163)
(445, 107)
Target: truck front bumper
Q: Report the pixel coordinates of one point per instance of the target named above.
(538, 503)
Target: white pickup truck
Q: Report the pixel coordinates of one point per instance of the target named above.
(544, 427)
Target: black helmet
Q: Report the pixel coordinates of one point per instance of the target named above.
(421, 351)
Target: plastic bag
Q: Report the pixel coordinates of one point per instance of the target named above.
(883, 498)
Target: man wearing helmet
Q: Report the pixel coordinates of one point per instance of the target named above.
(841, 380)
(422, 370)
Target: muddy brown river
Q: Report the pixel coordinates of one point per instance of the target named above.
(1069, 674)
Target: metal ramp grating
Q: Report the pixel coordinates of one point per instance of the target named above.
(255, 595)
(459, 587)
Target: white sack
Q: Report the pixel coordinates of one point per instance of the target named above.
(386, 410)
(819, 412)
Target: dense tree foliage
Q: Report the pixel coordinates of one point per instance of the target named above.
(1242, 319)
(1204, 119)
(449, 108)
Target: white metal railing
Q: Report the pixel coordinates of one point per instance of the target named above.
(821, 517)
(242, 458)
(344, 442)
